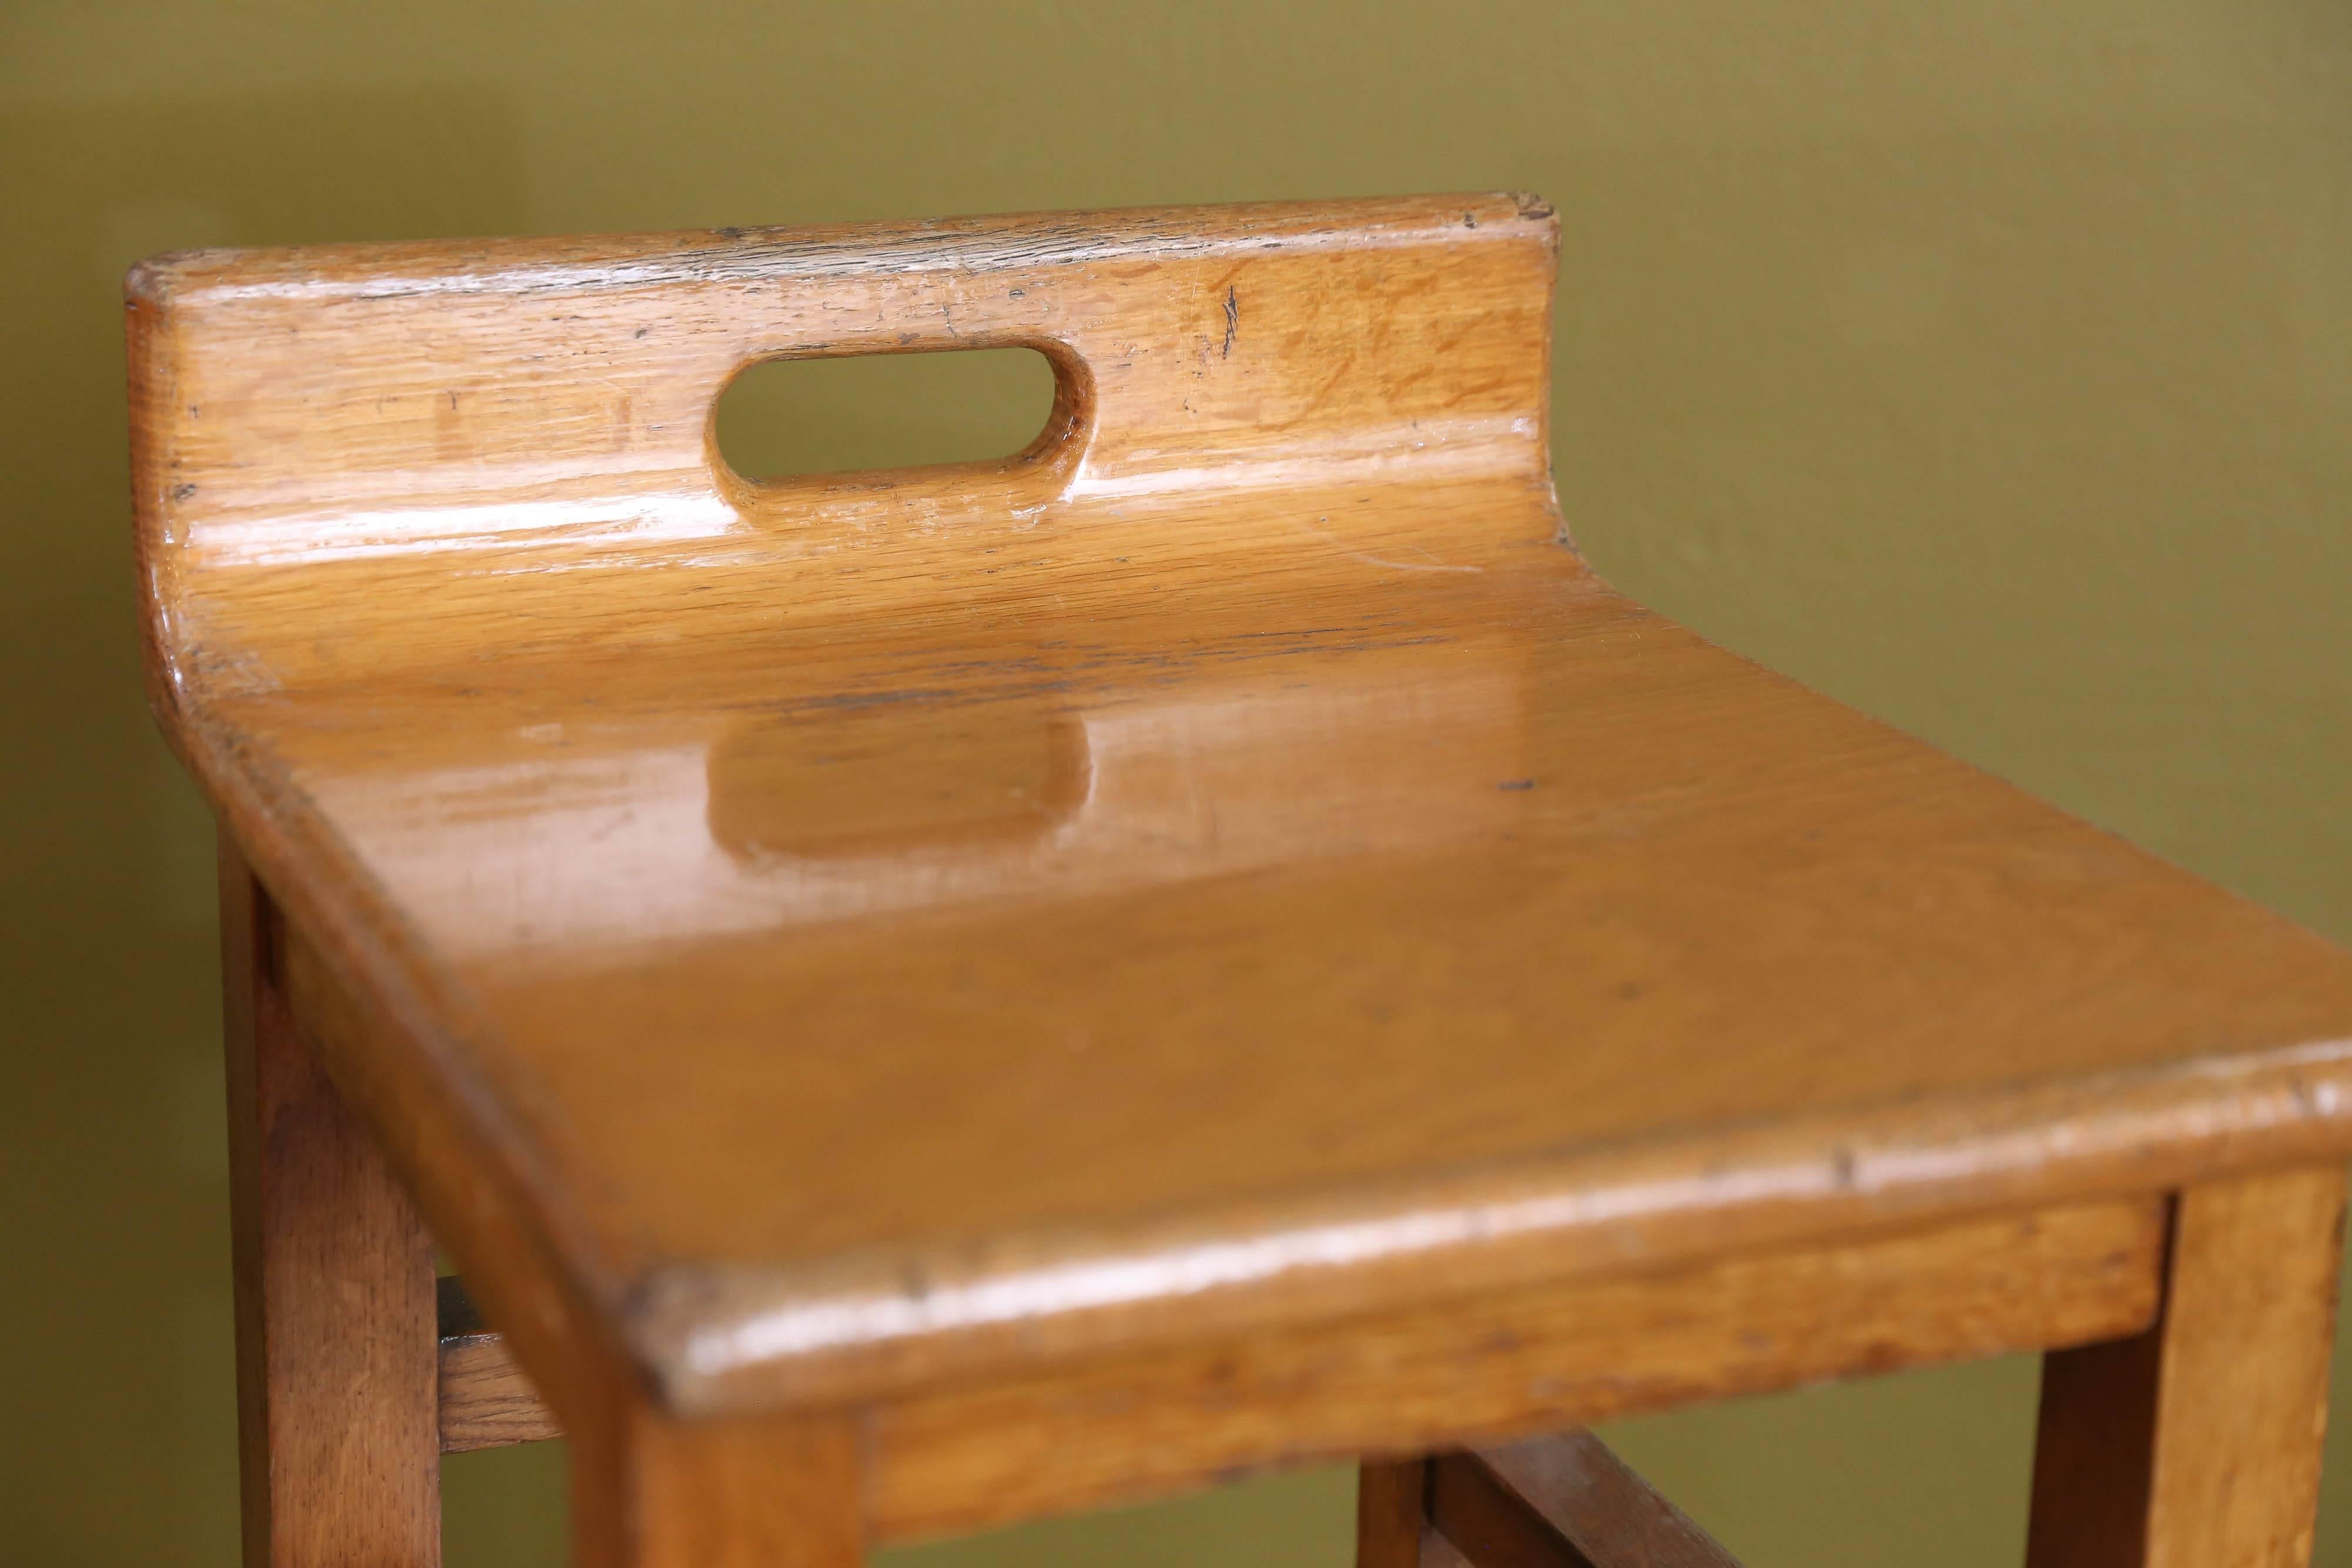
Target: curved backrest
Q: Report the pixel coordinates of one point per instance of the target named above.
(347, 458)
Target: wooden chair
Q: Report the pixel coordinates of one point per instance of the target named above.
(924, 999)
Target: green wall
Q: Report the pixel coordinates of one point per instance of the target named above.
(1988, 366)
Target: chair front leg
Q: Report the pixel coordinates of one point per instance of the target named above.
(2196, 1444)
(338, 1443)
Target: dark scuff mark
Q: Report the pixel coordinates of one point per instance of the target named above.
(1517, 784)
(182, 492)
(1232, 322)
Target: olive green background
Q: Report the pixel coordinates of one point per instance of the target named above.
(1987, 365)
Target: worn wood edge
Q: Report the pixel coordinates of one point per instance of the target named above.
(174, 318)
(1587, 1217)
(976, 243)
(494, 1404)
(1501, 1366)
(719, 1338)
(1578, 1490)
(486, 1400)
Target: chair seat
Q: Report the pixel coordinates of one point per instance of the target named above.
(897, 930)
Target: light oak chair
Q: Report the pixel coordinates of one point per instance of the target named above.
(924, 999)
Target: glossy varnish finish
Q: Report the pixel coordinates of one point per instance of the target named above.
(1229, 871)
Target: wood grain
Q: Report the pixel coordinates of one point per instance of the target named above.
(1591, 1499)
(2084, 1272)
(1227, 870)
(650, 1492)
(337, 1446)
(2198, 1442)
(1470, 1125)
(1502, 1365)
(486, 1401)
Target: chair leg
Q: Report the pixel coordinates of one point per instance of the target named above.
(1391, 1513)
(1560, 1501)
(651, 1492)
(336, 1350)
(2197, 1443)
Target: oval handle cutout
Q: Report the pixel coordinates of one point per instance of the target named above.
(786, 419)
